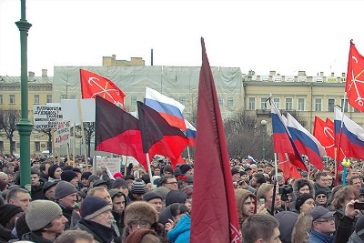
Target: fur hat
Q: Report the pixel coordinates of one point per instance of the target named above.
(68, 175)
(63, 189)
(138, 211)
(7, 211)
(94, 206)
(301, 199)
(184, 168)
(40, 213)
(143, 236)
(138, 187)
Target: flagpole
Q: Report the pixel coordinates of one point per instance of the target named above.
(68, 154)
(82, 131)
(188, 153)
(149, 168)
(275, 184)
(74, 143)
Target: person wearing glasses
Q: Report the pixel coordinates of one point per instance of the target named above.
(321, 198)
(323, 225)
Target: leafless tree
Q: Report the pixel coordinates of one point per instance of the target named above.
(8, 121)
(89, 128)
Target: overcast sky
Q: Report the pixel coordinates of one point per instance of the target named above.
(285, 36)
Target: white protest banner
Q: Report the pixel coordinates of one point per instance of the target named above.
(46, 116)
(62, 134)
(113, 164)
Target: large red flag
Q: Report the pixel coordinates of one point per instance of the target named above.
(93, 85)
(117, 131)
(355, 78)
(214, 212)
(158, 137)
(324, 132)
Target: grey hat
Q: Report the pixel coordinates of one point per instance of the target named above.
(320, 212)
(63, 189)
(40, 213)
(99, 182)
(119, 183)
(151, 195)
(138, 187)
(92, 178)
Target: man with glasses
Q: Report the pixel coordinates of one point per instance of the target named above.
(323, 225)
(322, 182)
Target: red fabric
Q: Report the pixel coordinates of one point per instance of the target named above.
(354, 79)
(93, 85)
(289, 170)
(117, 131)
(214, 215)
(158, 137)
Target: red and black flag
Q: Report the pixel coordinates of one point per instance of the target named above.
(117, 131)
(158, 137)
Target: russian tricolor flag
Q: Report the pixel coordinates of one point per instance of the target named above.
(352, 135)
(168, 108)
(190, 133)
(305, 142)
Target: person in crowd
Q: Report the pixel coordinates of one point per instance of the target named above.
(54, 173)
(323, 225)
(45, 221)
(140, 215)
(44, 166)
(346, 224)
(265, 191)
(175, 197)
(155, 200)
(122, 186)
(118, 207)
(322, 181)
(20, 197)
(257, 180)
(143, 236)
(166, 184)
(188, 190)
(304, 203)
(342, 197)
(301, 229)
(178, 228)
(356, 181)
(260, 228)
(66, 197)
(186, 170)
(75, 236)
(129, 179)
(36, 185)
(287, 220)
(9, 214)
(92, 179)
(235, 173)
(321, 198)
(71, 177)
(138, 189)
(48, 190)
(167, 170)
(97, 219)
(301, 186)
(84, 179)
(246, 202)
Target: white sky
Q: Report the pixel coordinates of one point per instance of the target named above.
(285, 36)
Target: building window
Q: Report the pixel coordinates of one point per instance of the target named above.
(1, 99)
(133, 100)
(331, 105)
(344, 105)
(37, 146)
(263, 103)
(251, 103)
(49, 98)
(221, 101)
(230, 101)
(36, 99)
(289, 104)
(12, 99)
(182, 100)
(301, 104)
(63, 97)
(277, 101)
(318, 104)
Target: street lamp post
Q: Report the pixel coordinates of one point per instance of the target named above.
(24, 126)
(263, 123)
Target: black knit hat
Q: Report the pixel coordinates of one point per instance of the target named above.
(138, 187)
(301, 199)
(320, 192)
(93, 206)
(7, 211)
(86, 175)
(68, 175)
(184, 168)
(51, 170)
(175, 196)
(119, 183)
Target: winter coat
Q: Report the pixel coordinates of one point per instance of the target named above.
(35, 238)
(241, 195)
(37, 191)
(301, 228)
(317, 237)
(355, 238)
(101, 233)
(181, 231)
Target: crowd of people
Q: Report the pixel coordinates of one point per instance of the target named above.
(71, 203)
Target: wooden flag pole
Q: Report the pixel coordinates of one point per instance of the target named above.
(82, 131)
(68, 154)
(53, 147)
(59, 154)
(74, 143)
(149, 168)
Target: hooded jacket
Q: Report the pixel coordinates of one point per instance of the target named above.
(241, 195)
